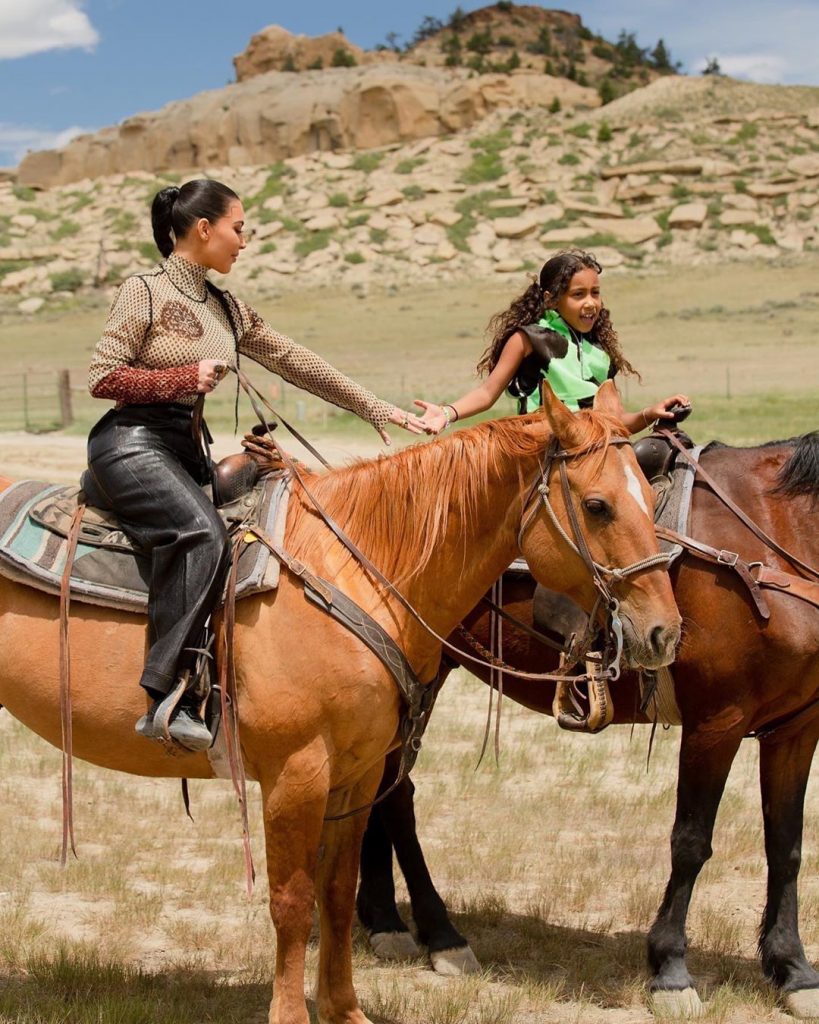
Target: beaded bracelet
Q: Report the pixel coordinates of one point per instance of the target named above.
(448, 415)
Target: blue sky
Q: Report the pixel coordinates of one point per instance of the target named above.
(70, 65)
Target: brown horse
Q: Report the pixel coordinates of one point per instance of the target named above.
(735, 675)
(318, 711)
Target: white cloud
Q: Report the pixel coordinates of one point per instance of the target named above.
(34, 26)
(16, 140)
(769, 68)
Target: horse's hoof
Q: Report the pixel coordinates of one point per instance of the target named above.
(455, 962)
(676, 1004)
(394, 946)
(803, 1003)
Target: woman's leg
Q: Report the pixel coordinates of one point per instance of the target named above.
(165, 512)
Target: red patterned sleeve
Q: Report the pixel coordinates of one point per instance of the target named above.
(132, 386)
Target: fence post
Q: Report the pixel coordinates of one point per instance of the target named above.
(64, 392)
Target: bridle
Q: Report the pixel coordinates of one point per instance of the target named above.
(603, 577)
(540, 488)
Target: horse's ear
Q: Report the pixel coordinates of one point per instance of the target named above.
(608, 400)
(561, 419)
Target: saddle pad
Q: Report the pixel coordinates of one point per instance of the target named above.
(675, 509)
(33, 550)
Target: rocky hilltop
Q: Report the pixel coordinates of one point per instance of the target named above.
(691, 170)
(297, 95)
(277, 115)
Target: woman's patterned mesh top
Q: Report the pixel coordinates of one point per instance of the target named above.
(163, 323)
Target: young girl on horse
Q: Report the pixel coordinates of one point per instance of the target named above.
(169, 338)
(558, 330)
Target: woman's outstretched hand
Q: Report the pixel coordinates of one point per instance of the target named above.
(434, 419)
(406, 420)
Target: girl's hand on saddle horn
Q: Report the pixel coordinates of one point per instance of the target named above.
(211, 371)
(663, 410)
(404, 419)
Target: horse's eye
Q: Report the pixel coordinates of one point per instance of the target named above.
(597, 507)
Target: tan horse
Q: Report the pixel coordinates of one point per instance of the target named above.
(318, 711)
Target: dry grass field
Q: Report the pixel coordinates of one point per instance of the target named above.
(554, 860)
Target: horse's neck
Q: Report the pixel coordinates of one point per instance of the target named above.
(479, 543)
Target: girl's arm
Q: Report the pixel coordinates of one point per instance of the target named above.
(485, 395)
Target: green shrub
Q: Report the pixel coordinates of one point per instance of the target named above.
(357, 220)
(67, 280)
(367, 162)
(740, 185)
(274, 186)
(312, 242)
(82, 200)
(680, 191)
(39, 213)
(747, 132)
(267, 247)
(604, 132)
(65, 229)
(580, 130)
(339, 199)
(408, 166)
(23, 193)
(353, 257)
(9, 266)
(124, 222)
(554, 106)
(413, 192)
(148, 251)
(378, 235)
(342, 58)
(606, 91)
(569, 159)
(762, 232)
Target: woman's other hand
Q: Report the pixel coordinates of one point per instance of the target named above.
(211, 371)
(434, 419)
(403, 419)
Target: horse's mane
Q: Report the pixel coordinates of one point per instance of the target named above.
(800, 474)
(397, 508)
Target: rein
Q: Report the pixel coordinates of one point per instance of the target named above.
(540, 486)
(743, 518)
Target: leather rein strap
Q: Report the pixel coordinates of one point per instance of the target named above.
(743, 518)
(65, 690)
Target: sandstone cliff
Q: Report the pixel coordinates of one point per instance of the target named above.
(278, 115)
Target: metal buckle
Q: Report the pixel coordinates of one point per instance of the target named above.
(729, 558)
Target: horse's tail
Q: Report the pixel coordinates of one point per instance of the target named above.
(800, 474)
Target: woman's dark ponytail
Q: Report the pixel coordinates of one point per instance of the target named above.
(162, 219)
(175, 210)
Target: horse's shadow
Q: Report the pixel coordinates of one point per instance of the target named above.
(584, 963)
(82, 991)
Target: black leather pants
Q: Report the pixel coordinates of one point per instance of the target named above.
(148, 468)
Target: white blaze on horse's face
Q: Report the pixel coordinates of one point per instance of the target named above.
(635, 489)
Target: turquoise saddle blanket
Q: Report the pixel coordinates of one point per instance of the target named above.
(107, 570)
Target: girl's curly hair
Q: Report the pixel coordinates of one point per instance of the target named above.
(543, 294)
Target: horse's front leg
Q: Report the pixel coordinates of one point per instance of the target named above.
(337, 875)
(294, 805)
(784, 767)
(706, 756)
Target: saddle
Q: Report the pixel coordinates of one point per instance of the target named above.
(108, 569)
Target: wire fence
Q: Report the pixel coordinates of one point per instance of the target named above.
(36, 401)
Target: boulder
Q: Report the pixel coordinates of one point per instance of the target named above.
(384, 197)
(31, 305)
(806, 166)
(688, 215)
(517, 227)
(729, 218)
(635, 231)
(276, 49)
